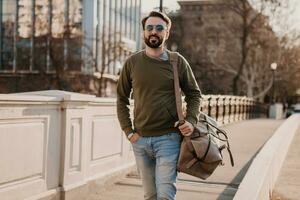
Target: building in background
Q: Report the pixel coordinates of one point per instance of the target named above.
(75, 45)
(207, 23)
(214, 36)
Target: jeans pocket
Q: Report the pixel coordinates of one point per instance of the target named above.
(135, 142)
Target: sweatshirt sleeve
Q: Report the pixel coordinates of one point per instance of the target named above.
(192, 92)
(124, 87)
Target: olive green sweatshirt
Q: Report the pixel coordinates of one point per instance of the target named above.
(151, 82)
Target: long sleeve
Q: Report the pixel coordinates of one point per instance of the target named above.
(124, 87)
(192, 93)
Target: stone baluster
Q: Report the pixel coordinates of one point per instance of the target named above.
(205, 105)
(220, 106)
(226, 111)
(239, 108)
(213, 106)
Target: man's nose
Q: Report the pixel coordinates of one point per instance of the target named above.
(153, 30)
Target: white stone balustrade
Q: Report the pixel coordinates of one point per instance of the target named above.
(52, 142)
(59, 145)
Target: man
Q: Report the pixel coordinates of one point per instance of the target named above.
(154, 137)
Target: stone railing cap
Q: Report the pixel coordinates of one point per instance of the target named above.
(61, 95)
(17, 97)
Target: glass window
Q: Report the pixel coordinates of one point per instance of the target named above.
(128, 18)
(41, 34)
(75, 37)
(99, 34)
(123, 26)
(58, 18)
(48, 35)
(111, 47)
(132, 20)
(137, 25)
(66, 40)
(117, 35)
(106, 34)
(57, 33)
(136, 20)
(7, 34)
(24, 41)
(126, 28)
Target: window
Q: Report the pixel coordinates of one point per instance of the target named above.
(40, 35)
(7, 32)
(75, 39)
(24, 39)
(47, 35)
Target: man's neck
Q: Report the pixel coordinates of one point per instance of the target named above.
(154, 52)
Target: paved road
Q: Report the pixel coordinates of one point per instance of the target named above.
(246, 139)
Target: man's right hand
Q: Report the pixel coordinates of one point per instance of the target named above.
(134, 137)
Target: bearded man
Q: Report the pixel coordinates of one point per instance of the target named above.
(154, 137)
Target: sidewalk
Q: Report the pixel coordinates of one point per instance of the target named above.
(287, 186)
(246, 138)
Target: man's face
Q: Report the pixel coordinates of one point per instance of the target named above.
(156, 32)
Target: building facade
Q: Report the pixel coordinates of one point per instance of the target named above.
(66, 44)
(200, 32)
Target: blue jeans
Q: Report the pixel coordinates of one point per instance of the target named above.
(156, 159)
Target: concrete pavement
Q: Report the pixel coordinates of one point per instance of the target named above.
(246, 138)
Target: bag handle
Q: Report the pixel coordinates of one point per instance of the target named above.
(224, 140)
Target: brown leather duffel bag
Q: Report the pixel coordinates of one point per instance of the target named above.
(200, 153)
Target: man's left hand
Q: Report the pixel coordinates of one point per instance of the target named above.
(186, 129)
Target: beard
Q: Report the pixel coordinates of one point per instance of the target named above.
(153, 41)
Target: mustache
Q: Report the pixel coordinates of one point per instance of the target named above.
(153, 36)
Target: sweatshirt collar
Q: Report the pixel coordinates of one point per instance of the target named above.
(162, 57)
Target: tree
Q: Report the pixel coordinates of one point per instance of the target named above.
(112, 54)
(287, 81)
(232, 40)
(258, 49)
(257, 43)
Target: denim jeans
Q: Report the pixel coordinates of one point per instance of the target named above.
(156, 159)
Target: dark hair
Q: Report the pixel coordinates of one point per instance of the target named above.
(161, 15)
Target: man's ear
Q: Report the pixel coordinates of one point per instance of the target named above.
(167, 33)
(142, 35)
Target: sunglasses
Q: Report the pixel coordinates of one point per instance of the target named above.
(157, 27)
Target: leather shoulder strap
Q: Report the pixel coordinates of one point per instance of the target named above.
(174, 61)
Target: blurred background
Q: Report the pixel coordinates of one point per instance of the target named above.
(235, 47)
